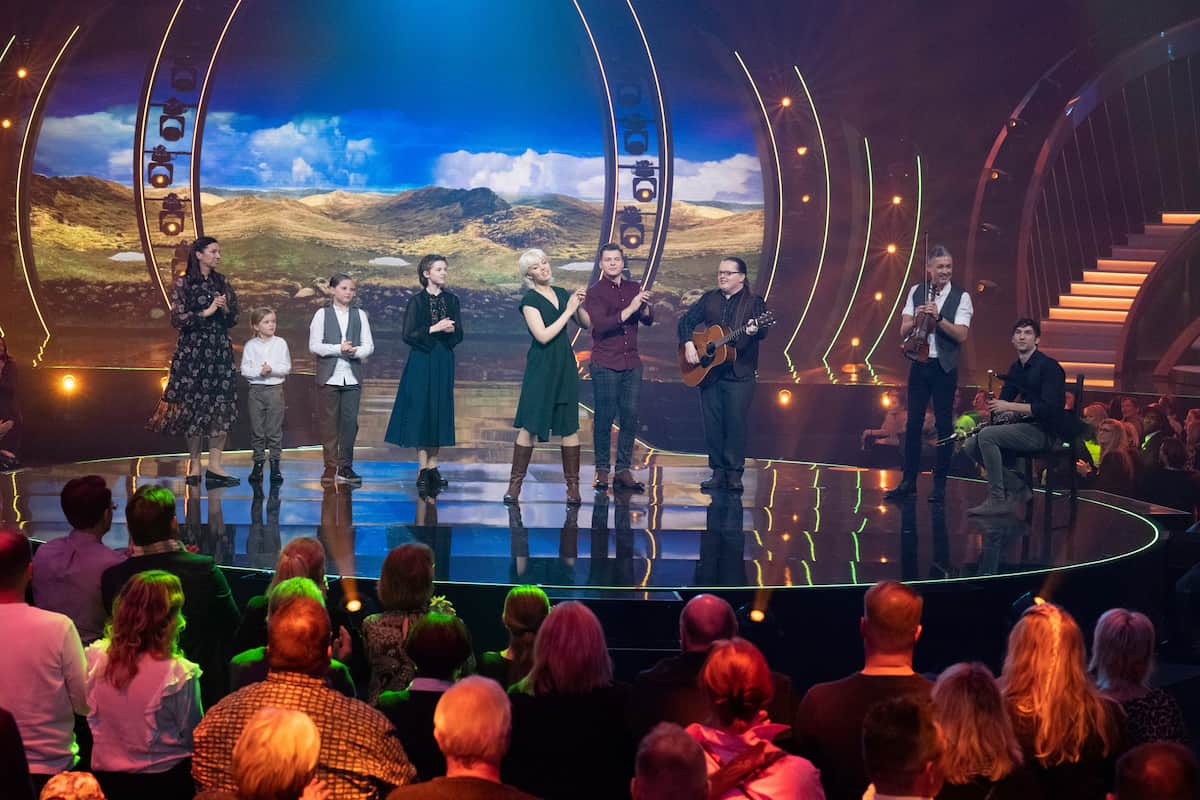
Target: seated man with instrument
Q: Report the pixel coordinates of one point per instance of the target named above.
(1026, 419)
(740, 318)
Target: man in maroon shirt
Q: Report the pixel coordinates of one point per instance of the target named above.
(616, 305)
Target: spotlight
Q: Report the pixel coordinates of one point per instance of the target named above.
(1017, 122)
(160, 172)
(984, 285)
(891, 248)
(170, 122)
(786, 102)
(183, 77)
(354, 606)
(878, 296)
(5, 123)
(170, 219)
(22, 73)
(802, 150)
(855, 341)
(784, 398)
(633, 232)
(987, 227)
(69, 383)
(804, 198)
(636, 137)
(997, 173)
(897, 199)
(757, 615)
(645, 185)
(885, 401)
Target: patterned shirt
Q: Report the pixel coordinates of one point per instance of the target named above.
(155, 548)
(359, 749)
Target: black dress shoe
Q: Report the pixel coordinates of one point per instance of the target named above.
(256, 474)
(904, 489)
(734, 483)
(214, 481)
(436, 479)
(717, 481)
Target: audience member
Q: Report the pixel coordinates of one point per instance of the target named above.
(302, 557)
(44, 682)
(1173, 485)
(72, 786)
(670, 691)
(276, 756)
(471, 725)
(524, 609)
(1093, 415)
(902, 749)
(208, 604)
(1157, 771)
(1068, 731)
(739, 756)
(982, 758)
(892, 428)
(406, 593)
(1125, 408)
(10, 411)
(670, 765)
(250, 666)
(1193, 445)
(359, 754)
(829, 721)
(1114, 471)
(1122, 660)
(569, 733)
(439, 646)
(143, 696)
(67, 570)
(1174, 426)
(14, 769)
(1155, 431)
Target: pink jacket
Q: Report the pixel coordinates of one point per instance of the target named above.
(789, 778)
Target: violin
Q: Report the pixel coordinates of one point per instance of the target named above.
(916, 343)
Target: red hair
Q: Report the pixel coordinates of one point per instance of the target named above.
(737, 681)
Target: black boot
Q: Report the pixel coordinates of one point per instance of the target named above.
(423, 482)
(905, 488)
(256, 473)
(276, 475)
(436, 480)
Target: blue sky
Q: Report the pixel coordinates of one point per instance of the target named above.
(381, 95)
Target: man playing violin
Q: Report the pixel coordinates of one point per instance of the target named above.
(951, 310)
(725, 401)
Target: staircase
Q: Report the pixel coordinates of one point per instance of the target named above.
(1084, 329)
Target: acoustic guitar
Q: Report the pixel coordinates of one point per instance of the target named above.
(715, 348)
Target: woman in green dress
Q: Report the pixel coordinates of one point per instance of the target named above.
(549, 403)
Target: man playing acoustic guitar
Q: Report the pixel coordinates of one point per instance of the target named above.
(726, 395)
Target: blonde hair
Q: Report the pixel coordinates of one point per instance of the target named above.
(979, 734)
(1048, 690)
(473, 720)
(275, 755)
(525, 608)
(1122, 649)
(570, 655)
(530, 258)
(147, 618)
(257, 315)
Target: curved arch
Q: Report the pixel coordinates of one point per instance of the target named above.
(862, 267)
(778, 174)
(611, 184)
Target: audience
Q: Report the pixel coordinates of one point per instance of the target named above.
(14, 768)
(670, 765)
(1157, 771)
(471, 725)
(250, 666)
(406, 593)
(1068, 731)
(72, 786)
(10, 411)
(302, 557)
(738, 753)
(143, 696)
(439, 645)
(1173, 485)
(1122, 660)
(1114, 471)
(902, 749)
(982, 759)
(524, 609)
(208, 604)
(67, 570)
(276, 756)
(569, 715)
(670, 691)
(1193, 445)
(359, 755)
(44, 683)
(829, 721)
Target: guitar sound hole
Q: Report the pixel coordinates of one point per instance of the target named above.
(708, 349)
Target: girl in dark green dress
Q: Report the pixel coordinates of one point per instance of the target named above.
(549, 403)
(423, 416)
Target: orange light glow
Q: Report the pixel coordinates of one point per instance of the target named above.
(886, 401)
(22, 73)
(784, 398)
(162, 382)
(69, 384)
(878, 296)
(805, 198)
(855, 341)
(785, 102)
(757, 615)
(802, 150)
(353, 605)
(897, 199)
(995, 175)
(787, 537)
(891, 248)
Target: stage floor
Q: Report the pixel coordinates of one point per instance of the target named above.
(796, 525)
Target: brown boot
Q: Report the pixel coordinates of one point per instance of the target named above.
(625, 480)
(570, 460)
(520, 464)
(600, 484)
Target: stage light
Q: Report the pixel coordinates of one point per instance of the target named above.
(645, 185)
(786, 102)
(5, 123)
(162, 382)
(183, 77)
(170, 219)
(354, 606)
(629, 94)
(160, 172)
(1017, 122)
(997, 173)
(987, 227)
(878, 296)
(802, 150)
(757, 615)
(891, 248)
(804, 198)
(784, 398)
(170, 122)
(787, 537)
(636, 137)
(69, 383)
(885, 401)
(897, 199)
(22, 73)
(855, 341)
(633, 232)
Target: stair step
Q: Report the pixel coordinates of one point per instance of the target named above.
(1089, 369)
(1092, 301)
(1104, 289)
(1090, 355)
(1155, 229)
(1180, 219)
(1087, 315)
(1124, 278)
(1130, 264)
(1098, 383)
(1151, 254)
(1081, 335)
(1143, 241)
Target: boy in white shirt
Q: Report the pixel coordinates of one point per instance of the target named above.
(266, 361)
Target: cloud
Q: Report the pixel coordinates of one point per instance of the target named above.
(736, 179)
(99, 144)
(302, 173)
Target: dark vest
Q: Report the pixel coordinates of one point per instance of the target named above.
(333, 335)
(948, 349)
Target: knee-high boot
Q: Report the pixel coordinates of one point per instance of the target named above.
(570, 460)
(520, 464)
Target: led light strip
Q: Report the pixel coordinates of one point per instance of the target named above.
(907, 270)
(862, 267)
(778, 175)
(34, 114)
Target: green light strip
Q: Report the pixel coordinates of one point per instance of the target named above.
(866, 249)
(778, 174)
(907, 270)
(824, 236)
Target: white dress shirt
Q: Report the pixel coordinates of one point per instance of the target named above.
(342, 374)
(961, 317)
(44, 684)
(273, 351)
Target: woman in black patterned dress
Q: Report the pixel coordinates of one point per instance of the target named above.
(200, 399)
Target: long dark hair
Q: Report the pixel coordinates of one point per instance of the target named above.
(193, 274)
